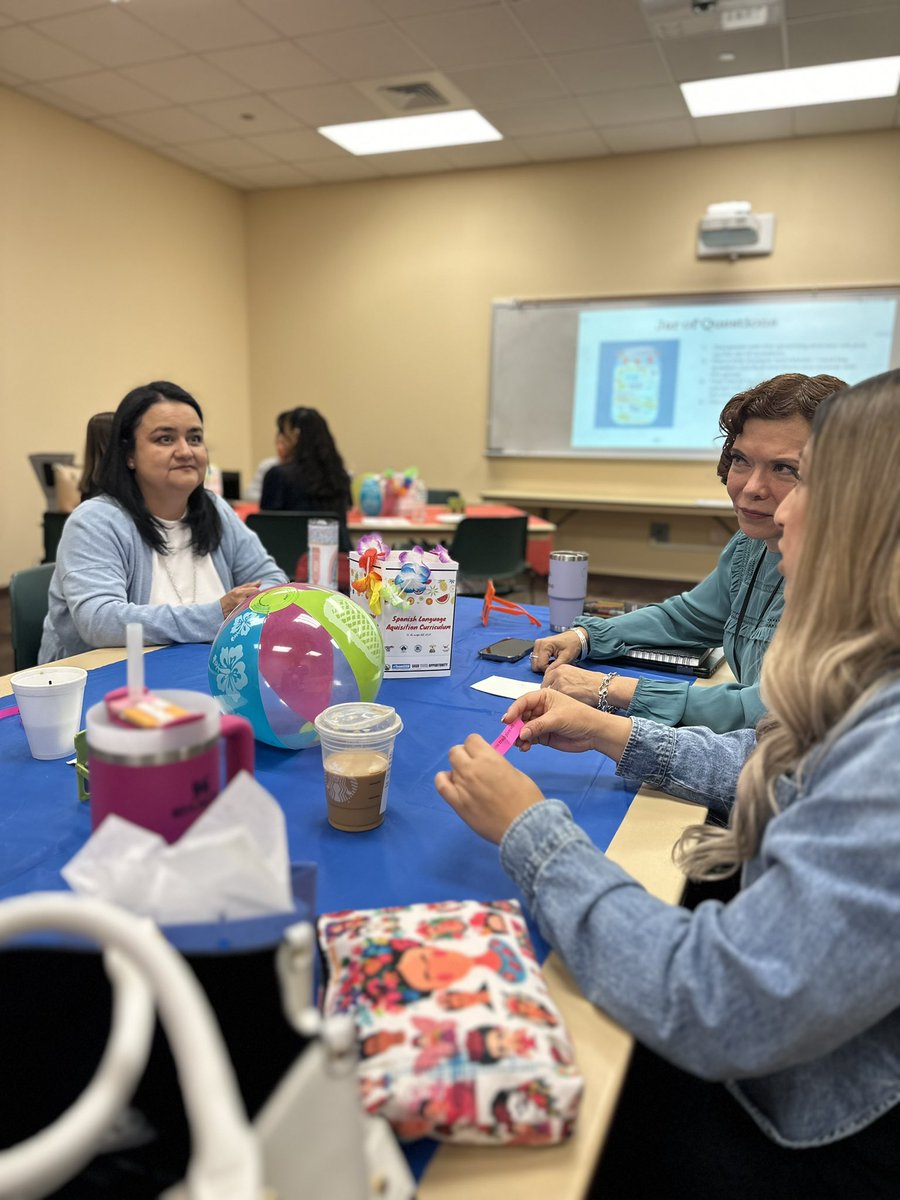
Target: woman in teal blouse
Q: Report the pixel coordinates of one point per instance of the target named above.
(737, 606)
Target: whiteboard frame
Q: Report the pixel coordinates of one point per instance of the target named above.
(685, 299)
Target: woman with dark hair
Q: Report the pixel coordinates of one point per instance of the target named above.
(738, 606)
(770, 1024)
(314, 477)
(155, 546)
(99, 428)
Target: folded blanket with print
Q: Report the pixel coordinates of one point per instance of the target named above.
(459, 1038)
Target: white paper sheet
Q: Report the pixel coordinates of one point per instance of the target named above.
(497, 685)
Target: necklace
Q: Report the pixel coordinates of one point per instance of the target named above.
(164, 559)
(743, 612)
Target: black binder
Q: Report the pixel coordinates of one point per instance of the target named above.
(700, 661)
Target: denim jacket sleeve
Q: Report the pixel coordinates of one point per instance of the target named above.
(800, 963)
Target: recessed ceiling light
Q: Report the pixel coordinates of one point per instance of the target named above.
(727, 56)
(794, 88)
(422, 132)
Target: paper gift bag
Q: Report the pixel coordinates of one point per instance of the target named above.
(411, 594)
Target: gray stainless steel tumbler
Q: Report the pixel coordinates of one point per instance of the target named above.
(566, 587)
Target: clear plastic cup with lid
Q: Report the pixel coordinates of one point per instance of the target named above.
(357, 748)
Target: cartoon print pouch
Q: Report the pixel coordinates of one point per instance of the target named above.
(458, 1036)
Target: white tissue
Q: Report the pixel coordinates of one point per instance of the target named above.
(231, 863)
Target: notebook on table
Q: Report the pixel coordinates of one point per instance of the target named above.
(701, 661)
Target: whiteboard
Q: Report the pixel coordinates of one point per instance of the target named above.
(646, 377)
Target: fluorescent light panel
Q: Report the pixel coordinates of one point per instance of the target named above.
(422, 132)
(794, 88)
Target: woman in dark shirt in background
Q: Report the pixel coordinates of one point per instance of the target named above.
(315, 478)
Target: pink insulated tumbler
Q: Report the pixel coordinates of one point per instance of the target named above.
(163, 778)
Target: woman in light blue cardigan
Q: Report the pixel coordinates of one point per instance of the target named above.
(738, 606)
(155, 547)
(770, 1024)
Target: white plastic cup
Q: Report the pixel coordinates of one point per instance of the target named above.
(357, 748)
(566, 587)
(50, 701)
(322, 563)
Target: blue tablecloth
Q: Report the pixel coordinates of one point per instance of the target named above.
(421, 852)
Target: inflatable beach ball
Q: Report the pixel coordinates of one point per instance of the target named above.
(290, 652)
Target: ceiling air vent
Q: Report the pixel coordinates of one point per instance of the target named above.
(400, 95)
(414, 97)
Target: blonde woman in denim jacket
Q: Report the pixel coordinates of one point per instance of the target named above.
(789, 993)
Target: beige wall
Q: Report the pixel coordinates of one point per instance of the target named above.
(117, 266)
(372, 300)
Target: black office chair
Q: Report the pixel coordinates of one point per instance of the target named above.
(53, 527)
(285, 535)
(442, 495)
(28, 603)
(492, 548)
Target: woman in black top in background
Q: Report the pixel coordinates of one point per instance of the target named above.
(315, 478)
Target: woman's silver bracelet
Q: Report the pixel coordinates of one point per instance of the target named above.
(583, 638)
(602, 702)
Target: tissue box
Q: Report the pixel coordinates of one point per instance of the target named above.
(418, 640)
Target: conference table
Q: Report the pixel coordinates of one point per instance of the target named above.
(422, 852)
(438, 524)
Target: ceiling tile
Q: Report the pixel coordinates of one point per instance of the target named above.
(173, 126)
(274, 65)
(546, 116)
(203, 24)
(527, 80)
(635, 104)
(610, 70)
(366, 53)
(843, 38)
(109, 36)
(185, 80)
(340, 170)
(577, 143)
(744, 127)
(559, 25)
(330, 104)
(245, 115)
(314, 16)
(33, 56)
(844, 118)
(297, 145)
(272, 175)
(414, 8)
(34, 10)
(39, 91)
(698, 57)
(655, 135)
(105, 92)
(120, 127)
(485, 154)
(412, 162)
(469, 37)
(227, 152)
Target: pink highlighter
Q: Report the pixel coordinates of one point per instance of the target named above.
(508, 737)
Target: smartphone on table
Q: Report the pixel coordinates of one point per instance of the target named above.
(508, 649)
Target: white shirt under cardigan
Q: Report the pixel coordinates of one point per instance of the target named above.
(179, 576)
(104, 576)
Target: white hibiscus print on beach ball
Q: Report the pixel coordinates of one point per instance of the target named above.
(231, 673)
(241, 624)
